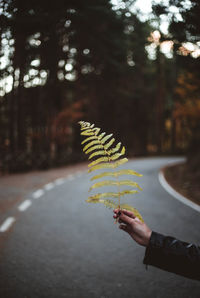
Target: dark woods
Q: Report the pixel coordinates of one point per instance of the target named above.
(69, 60)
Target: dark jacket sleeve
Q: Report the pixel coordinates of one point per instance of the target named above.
(173, 255)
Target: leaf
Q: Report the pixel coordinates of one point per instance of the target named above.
(87, 133)
(113, 150)
(132, 209)
(104, 195)
(127, 192)
(129, 183)
(97, 130)
(94, 148)
(88, 139)
(106, 138)
(109, 165)
(99, 160)
(101, 152)
(107, 203)
(127, 172)
(115, 183)
(117, 155)
(109, 144)
(116, 174)
(99, 145)
(90, 144)
(101, 135)
(113, 194)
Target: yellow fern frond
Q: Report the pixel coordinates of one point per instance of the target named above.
(90, 144)
(87, 133)
(127, 172)
(115, 183)
(99, 160)
(116, 149)
(127, 192)
(101, 135)
(88, 139)
(104, 195)
(109, 144)
(117, 155)
(132, 209)
(107, 203)
(101, 152)
(106, 138)
(116, 174)
(109, 165)
(94, 148)
(108, 157)
(97, 130)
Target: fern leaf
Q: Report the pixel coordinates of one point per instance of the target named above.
(112, 194)
(90, 144)
(101, 135)
(100, 145)
(106, 138)
(99, 160)
(104, 174)
(104, 195)
(97, 130)
(109, 144)
(107, 203)
(116, 174)
(132, 209)
(101, 152)
(116, 149)
(94, 148)
(87, 133)
(117, 155)
(115, 183)
(88, 139)
(109, 165)
(129, 183)
(127, 172)
(127, 192)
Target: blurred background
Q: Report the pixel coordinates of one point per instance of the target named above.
(131, 67)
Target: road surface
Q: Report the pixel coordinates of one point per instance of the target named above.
(59, 246)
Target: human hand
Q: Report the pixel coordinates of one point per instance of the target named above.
(129, 223)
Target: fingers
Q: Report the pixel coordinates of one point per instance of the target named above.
(124, 228)
(125, 219)
(126, 212)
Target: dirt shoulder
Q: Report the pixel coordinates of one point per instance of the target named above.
(183, 181)
(14, 187)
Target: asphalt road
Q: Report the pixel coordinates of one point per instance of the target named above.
(63, 247)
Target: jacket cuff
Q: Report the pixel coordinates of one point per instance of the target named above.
(155, 243)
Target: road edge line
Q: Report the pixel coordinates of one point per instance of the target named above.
(176, 194)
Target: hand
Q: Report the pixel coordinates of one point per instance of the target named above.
(129, 223)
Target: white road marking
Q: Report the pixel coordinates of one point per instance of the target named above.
(175, 194)
(70, 177)
(7, 224)
(38, 193)
(49, 186)
(23, 206)
(59, 181)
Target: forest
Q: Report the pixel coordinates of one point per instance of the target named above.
(66, 61)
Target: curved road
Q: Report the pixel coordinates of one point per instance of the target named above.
(61, 246)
